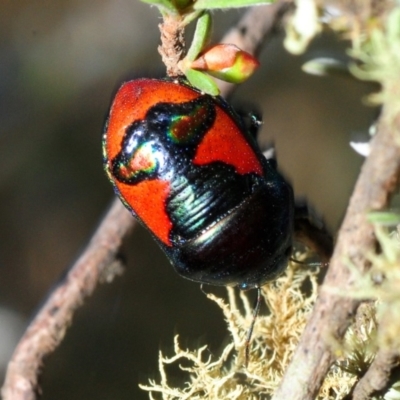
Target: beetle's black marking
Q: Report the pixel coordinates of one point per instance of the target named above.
(169, 135)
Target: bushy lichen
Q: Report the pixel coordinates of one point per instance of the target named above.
(289, 300)
(379, 60)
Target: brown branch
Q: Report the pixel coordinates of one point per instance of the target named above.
(172, 46)
(332, 313)
(98, 263)
(377, 378)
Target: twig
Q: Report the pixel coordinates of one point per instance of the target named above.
(172, 44)
(98, 263)
(331, 314)
(378, 375)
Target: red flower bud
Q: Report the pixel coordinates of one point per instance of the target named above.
(226, 62)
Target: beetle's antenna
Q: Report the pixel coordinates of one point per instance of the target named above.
(256, 310)
(309, 264)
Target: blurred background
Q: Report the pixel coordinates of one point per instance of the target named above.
(60, 63)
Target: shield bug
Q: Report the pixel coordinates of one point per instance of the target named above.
(187, 168)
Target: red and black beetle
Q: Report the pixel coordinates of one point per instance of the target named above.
(187, 168)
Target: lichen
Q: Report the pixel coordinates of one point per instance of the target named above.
(289, 300)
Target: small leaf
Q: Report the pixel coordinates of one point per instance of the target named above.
(389, 247)
(385, 218)
(326, 66)
(200, 37)
(164, 5)
(211, 4)
(202, 82)
(362, 148)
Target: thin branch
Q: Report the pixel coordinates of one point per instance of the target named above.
(377, 378)
(172, 46)
(98, 262)
(332, 313)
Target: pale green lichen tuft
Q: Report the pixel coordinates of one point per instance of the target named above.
(379, 61)
(274, 339)
(289, 299)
